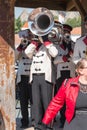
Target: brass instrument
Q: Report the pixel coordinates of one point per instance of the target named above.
(55, 35)
(67, 37)
(25, 42)
(26, 37)
(40, 21)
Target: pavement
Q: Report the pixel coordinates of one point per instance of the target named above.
(18, 119)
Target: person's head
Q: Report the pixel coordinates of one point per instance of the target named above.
(81, 67)
(67, 32)
(59, 26)
(67, 28)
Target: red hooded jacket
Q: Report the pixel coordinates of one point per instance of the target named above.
(67, 93)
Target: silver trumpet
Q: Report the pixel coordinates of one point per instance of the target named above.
(25, 42)
(67, 37)
(40, 21)
(55, 35)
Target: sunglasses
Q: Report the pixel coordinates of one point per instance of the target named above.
(84, 68)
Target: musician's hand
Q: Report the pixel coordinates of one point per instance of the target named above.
(46, 40)
(35, 38)
(36, 42)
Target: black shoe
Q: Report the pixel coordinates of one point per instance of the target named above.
(40, 127)
(49, 128)
(24, 126)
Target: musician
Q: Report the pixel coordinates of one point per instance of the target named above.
(23, 75)
(41, 75)
(56, 36)
(80, 49)
(65, 67)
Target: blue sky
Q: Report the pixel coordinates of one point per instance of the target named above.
(18, 11)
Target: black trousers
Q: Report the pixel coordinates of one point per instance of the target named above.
(42, 94)
(64, 74)
(25, 95)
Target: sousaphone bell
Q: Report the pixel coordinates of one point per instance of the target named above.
(40, 21)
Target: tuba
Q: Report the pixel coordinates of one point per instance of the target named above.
(40, 21)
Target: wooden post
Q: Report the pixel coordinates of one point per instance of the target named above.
(7, 68)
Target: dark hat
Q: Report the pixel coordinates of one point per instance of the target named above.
(67, 27)
(85, 19)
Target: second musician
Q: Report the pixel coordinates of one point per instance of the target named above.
(41, 75)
